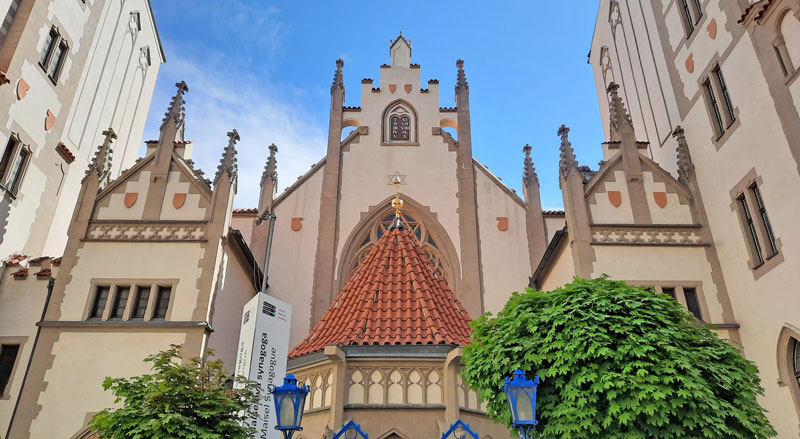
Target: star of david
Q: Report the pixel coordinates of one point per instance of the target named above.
(396, 178)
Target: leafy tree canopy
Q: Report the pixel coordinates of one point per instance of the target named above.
(178, 400)
(616, 361)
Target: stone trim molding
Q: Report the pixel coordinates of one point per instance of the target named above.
(650, 235)
(146, 231)
(15, 370)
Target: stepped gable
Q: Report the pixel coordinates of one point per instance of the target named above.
(393, 298)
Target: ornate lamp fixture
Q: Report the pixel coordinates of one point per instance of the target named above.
(290, 402)
(521, 395)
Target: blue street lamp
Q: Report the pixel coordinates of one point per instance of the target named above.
(290, 401)
(521, 395)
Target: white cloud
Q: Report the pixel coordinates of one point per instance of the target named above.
(222, 97)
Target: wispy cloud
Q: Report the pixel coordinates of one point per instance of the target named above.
(223, 97)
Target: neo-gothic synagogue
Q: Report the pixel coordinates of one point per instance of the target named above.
(396, 239)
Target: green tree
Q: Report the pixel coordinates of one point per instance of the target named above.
(178, 400)
(616, 361)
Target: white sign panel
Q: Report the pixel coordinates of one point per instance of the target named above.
(263, 350)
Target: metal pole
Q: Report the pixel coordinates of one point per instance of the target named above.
(271, 217)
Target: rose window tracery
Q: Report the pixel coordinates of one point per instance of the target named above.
(424, 238)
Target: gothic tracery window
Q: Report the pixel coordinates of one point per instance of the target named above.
(399, 124)
(424, 238)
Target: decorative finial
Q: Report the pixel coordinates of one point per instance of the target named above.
(338, 78)
(271, 168)
(529, 172)
(176, 111)
(101, 163)
(396, 180)
(567, 158)
(618, 114)
(685, 165)
(228, 161)
(461, 78)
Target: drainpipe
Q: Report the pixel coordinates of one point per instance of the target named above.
(271, 218)
(50, 285)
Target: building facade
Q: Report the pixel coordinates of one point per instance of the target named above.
(484, 238)
(712, 91)
(69, 71)
(150, 261)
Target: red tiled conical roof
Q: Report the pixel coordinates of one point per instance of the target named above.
(394, 297)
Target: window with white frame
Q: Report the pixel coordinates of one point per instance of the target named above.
(13, 163)
(718, 98)
(54, 53)
(759, 236)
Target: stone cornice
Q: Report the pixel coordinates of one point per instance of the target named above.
(647, 234)
(142, 231)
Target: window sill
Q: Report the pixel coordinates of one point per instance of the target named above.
(765, 267)
(790, 78)
(399, 143)
(720, 140)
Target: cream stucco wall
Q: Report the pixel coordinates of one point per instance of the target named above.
(21, 304)
(603, 212)
(69, 396)
(757, 144)
(235, 288)
(504, 254)
(562, 269)
(367, 164)
(129, 261)
(103, 84)
(292, 264)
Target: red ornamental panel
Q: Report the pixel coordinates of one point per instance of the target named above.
(660, 199)
(615, 197)
(130, 199)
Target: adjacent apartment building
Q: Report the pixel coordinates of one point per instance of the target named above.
(697, 193)
(69, 70)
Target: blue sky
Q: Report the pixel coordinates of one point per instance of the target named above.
(265, 68)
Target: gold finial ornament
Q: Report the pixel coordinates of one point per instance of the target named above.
(396, 180)
(397, 204)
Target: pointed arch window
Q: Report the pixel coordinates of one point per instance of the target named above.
(427, 243)
(399, 125)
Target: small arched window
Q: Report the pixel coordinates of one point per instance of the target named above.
(786, 45)
(399, 124)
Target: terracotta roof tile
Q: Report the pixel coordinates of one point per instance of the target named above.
(15, 259)
(393, 297)
(38, 260)
(21, 273)
(245, 211)
(46, 272)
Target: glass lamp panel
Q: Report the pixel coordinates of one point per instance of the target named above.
(300, 408)
(286, 416)
(524, 407)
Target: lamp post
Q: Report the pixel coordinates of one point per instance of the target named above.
(290, 401)
(521, 395)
